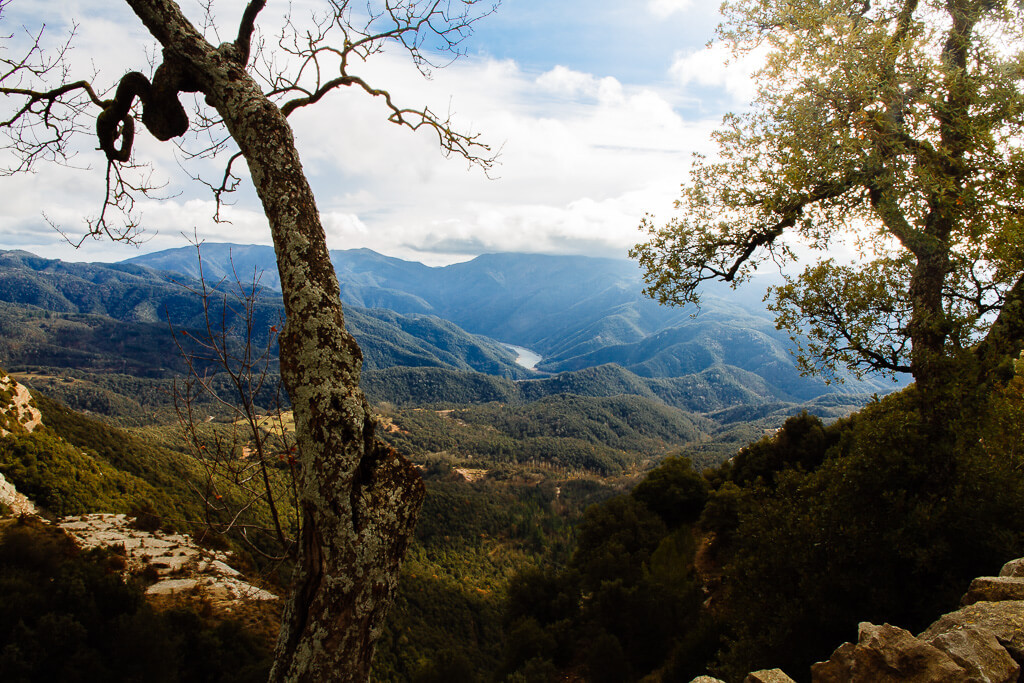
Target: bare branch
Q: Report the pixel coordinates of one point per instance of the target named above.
(242, 458)
(246, 28)
(43, 125)
(325, 62)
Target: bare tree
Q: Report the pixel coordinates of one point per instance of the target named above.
(358, 498)
(249, 463)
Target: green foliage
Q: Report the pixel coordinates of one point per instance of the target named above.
(622, 422)
(69, 616)
(800, 537)
(619, 608)
(674, 491)
(801, 443)
(874, 533)
(471, 541)
(64, 480)
(389, 339)
(418, 386)
(732, 390)
(886, 124)
(600, 435)
(164, 471)
(437, 627)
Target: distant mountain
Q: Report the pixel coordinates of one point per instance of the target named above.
(118, 317)
(577, 312)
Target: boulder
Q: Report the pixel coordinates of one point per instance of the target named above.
(979, 653)
(707, 679)
(1013, 568)
(768, 676)
(1004, 620)
(994, 589)
(888, 654)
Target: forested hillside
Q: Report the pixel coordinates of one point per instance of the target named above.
(577, 312)
(100, 316)
(542, 487)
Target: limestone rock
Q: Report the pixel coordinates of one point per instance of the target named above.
(707, 679)
(994, 589)
(768, 676)
(180, 565)
(1004, 620)
(1013, 568)
(980, 654)
(18, 412)
(17, 502)
(888, 654)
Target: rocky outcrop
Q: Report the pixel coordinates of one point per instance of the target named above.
(763, 676)
(994, 589)
(18, 503)
(982, 642)
(768, 676)
(177, 564)
(18, 413)
(887, 654)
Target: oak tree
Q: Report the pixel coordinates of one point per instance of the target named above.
(897, 127)
(358, 499)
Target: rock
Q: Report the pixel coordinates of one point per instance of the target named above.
(768, 676)
(171, 586)
(1004, 620)
(980, 654)
(20, 414)
(994, 589)
(17, 502)
(180, 564)
(707, 679)
(887, 654)
(221, 568)
(1013, 568)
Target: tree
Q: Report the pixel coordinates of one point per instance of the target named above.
(358, 498)
(896, 125)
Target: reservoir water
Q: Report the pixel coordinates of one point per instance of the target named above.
(525, 357)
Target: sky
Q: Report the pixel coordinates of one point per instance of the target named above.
(596, 107)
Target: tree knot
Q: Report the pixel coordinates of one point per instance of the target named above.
(162, 113)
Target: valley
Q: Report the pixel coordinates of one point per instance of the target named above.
(590, 388)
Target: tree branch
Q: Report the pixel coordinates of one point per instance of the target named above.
(246, 28)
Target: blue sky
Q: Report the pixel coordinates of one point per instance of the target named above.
(618, 39)
(596, 106)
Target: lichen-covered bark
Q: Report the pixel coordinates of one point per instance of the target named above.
(359, 498)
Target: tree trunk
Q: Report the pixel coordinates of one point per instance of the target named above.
(358, 498)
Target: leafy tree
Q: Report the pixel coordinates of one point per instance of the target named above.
(674, 491)
(868, 535)
(358, 498)
(894, 125)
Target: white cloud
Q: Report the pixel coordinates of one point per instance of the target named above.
(583, 157)
(666, 8)
(715, 66)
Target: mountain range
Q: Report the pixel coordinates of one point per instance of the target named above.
(576, 312)
(586, 317)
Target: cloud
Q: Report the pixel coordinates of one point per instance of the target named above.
(716, 67)
(583, 157)
(666, 8)
(567, 83)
